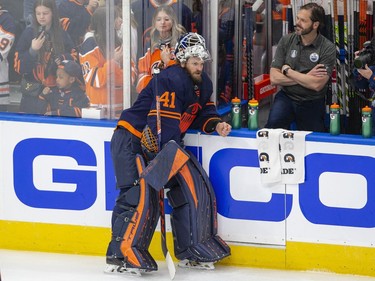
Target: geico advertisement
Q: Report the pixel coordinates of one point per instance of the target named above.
(63, 174)
(334, 205)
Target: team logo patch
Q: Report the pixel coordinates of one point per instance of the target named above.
(293, 53)
(314, 57)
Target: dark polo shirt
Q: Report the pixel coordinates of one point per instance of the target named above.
(292, 52)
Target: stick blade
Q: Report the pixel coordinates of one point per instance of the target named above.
(170, 265)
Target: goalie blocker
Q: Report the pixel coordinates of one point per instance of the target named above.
(193, 217)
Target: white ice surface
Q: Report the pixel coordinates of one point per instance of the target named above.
(35, 266)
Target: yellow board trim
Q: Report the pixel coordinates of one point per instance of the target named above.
(94, 240)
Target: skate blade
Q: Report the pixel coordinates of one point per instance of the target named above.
(120, 270)
(196, 265)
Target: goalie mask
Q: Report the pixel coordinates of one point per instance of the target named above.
(192, 45)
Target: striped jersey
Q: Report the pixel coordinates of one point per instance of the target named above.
(147, 64)
(95, 68)
(75, 19)
(183, 105)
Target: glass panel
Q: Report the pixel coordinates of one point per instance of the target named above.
(66, 59)
(226, 52)
(101, 57)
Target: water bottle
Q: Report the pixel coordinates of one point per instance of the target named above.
(334, 115)
(236, 113)
(367, 122)
(252, 122)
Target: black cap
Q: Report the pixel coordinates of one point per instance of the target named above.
(71, 68)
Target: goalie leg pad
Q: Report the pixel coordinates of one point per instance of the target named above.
(133, 228)
(194, 216)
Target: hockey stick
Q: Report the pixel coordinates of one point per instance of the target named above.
(170, 265)
(363, 97)
(248, 29)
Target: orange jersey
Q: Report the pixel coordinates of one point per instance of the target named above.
(95, 69)
(146, 65)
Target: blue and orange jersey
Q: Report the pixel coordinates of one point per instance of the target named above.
(75, 19)
(95, 69)
(44, 69)
(183, 105)
(146, 65)
(65, 102)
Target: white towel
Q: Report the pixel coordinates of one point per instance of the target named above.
(292, 156)
(281, 156)
(269, 155)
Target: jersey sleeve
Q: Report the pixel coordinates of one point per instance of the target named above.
(144, 71)
(24, 62)
(95, 67)
(75, 19)
(7, 35)
(207, 117)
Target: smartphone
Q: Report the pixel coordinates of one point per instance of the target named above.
(164, 45)
(40, 30)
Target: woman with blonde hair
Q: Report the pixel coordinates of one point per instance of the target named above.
(165, 33)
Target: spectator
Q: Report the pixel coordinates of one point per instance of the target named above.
(68, 98)
(41, 47)
(7, 37)
(302, 66)
(144, 11)
(28, 10)
(97, 62)
(15, 8)
(164, 34)
(75, 17)
(363, 79)
(197, 17)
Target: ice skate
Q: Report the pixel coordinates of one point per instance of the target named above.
(122, 270)
(119, 266)
(196, 265)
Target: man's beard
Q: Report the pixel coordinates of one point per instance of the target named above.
(305, 31)
(197, 78)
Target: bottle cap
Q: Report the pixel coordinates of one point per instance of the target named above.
(236, 100)
(253, 102)
(335, 106)
(366, 109)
